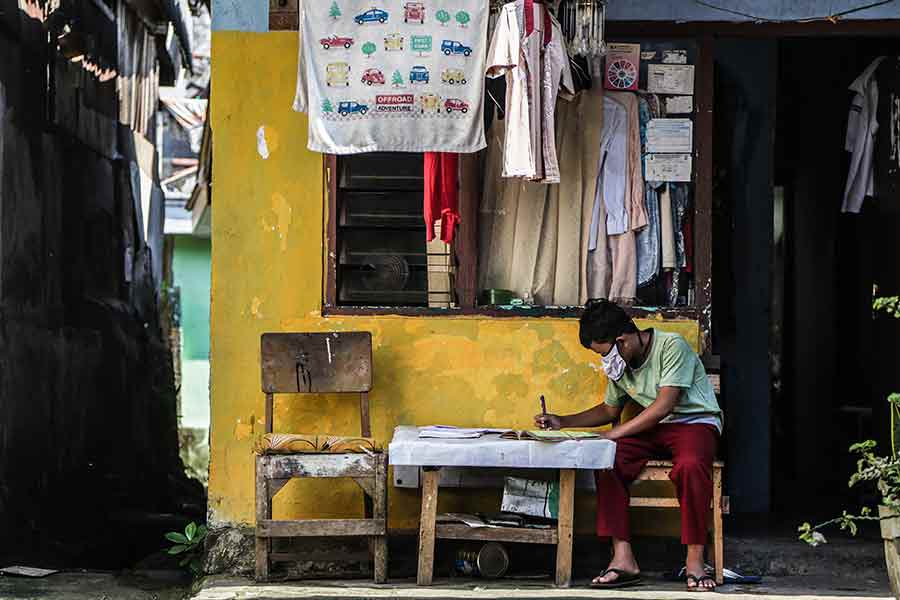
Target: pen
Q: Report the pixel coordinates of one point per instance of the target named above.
(543, 406)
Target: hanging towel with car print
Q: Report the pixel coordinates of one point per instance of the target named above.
(393, 75)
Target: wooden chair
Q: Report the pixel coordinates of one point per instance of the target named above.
(320, 363)
(658, 470)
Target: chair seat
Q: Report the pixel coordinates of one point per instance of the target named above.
(312, 443)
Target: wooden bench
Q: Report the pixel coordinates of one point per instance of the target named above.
(658, 470)
(320, 363)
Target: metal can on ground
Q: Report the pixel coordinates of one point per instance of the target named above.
(490, 561)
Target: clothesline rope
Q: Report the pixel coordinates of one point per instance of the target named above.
(833, 18)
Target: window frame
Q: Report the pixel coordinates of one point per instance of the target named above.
(465, 245)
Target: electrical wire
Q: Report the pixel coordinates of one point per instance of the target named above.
(831, 18)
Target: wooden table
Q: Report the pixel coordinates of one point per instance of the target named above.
(490, 451)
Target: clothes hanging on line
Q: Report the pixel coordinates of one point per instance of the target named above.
(862, 127)
(441, 194)
(527, 48)
(533, 238)
(648, 240)
(373, 80)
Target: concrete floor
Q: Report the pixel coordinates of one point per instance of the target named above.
(168, 586)
(786, 588)
(92, 585)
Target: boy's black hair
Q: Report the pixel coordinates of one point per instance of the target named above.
(603, 321)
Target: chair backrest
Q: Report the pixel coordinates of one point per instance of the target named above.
(317, 363)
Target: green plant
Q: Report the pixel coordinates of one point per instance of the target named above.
(463, 18)
(883, 471)
(369, 49)
(335, 11)
(443, 17)
(188, 545)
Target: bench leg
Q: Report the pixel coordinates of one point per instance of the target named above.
(263, 512)
(564, 527)
(380, 548)
(718, 535)
(430, 480)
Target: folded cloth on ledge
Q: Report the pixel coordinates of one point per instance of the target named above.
(301, 443)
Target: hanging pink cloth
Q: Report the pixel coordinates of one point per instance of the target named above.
(529, 21)
(441, 194)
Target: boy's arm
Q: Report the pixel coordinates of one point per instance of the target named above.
(665, 403)
(602, 414)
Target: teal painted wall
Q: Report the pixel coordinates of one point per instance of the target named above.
(191, 272)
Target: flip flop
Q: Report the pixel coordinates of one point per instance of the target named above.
(697, 587)
(624, 579)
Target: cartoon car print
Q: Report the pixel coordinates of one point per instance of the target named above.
(449, 47)
(453, 76)
(429, 103)
(373, 77)
(419, 74)
(337, 74)
(414, 12)
(456, 104)
(350, 108)
(336, 41)
(393, 42)
(375, 15)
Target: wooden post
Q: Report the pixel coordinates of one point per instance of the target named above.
(703, 192)
(430, 480)
(380, 548)
(270, 409)
(365, 419)
(263, 513)
(718, 536)
(565, 526)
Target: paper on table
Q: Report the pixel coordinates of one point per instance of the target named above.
(669, 167)
(670, 135)
(670, 79)
(448, 432)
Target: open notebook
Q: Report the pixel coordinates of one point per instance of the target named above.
(550, 436)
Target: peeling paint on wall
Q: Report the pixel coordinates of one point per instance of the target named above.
(261, 146)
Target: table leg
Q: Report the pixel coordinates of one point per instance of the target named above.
(564, 527)
(430, 480)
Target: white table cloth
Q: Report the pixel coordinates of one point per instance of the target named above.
(490, 450)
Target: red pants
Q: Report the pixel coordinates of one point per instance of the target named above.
(692, 449)
(441, 194)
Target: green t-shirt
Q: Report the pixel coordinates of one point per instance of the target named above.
(670, 363)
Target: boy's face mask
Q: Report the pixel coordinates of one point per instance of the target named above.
(613, 363)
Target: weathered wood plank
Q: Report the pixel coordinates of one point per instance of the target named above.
(318, 465)
(565, 527)
(638, 502)
(380, 498)
(321, 528)
(364, 419)
(427, 526)
(263, 512)
(453, 531)
(718, 534)
(316, 363)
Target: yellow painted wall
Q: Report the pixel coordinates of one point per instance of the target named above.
(267, 267)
